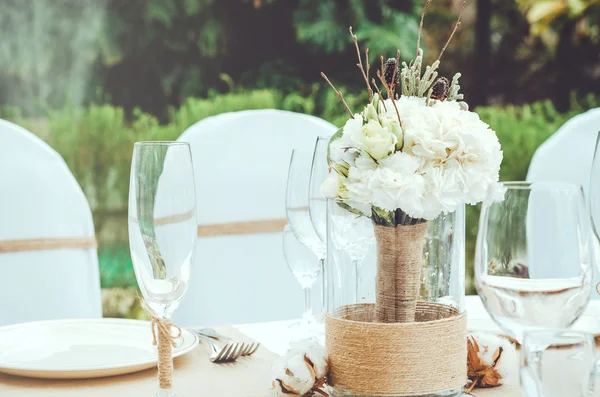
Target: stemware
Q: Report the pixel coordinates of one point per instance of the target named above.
(532, 260)
(353, 235)
(594, 190)
(317, 203)
(301, 262)
(566, 371)
(162, 226)
(297, 208)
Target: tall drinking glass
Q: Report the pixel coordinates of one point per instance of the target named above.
(532, 259)
(162, 227)
(297, 208)
(594, 190)
(317, 203)
(301, 262)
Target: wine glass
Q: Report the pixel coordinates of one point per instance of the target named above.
(297, 208)
(352, 233)
(594, 189)
(532, 258)
(305, 268)
(576, 378)
(317, 203)
(162, 229)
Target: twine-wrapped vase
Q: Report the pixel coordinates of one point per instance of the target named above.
(396, 324)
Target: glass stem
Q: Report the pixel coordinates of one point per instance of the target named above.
(323, 287)
(307, 308)
(357, 272)
(535, 364)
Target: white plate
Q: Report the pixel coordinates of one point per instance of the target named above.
(478, 320)
(71, 349)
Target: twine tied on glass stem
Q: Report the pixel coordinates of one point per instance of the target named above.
(164, 341)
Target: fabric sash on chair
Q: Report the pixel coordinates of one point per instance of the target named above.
(40, 244)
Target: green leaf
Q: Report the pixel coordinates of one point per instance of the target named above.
(338, 134)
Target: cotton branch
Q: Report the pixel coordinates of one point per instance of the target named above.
(390, 95)
(360, 65)
(339, 94)
(382, 100)
(458, 22)
(421, 25)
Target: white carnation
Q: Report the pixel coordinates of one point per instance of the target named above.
(441, 157)
(334, 186)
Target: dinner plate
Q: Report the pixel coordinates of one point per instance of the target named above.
(72, 349)
(478, 320)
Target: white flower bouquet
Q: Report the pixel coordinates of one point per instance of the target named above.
(405, 160)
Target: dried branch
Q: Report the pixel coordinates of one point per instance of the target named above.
(382, 63)
(458, 22)
(383, 101)
(360, 65)
(421, 25)
(339, 94)
(390, 95)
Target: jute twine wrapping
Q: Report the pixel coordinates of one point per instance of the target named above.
(400, 359)
(164, 340)
(399, 257)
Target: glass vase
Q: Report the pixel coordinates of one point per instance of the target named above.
(396, 324)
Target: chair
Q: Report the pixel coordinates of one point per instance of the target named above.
(241, 166)
(567, 157)
(48, 258)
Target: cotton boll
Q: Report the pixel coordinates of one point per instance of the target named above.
(488, 344)
(294, 373)
(277, 390)
(315, 352)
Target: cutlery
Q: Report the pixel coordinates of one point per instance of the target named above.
(247, 350)
(220, 354)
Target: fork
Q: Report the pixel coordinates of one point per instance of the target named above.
(227, 353)
(247, 350)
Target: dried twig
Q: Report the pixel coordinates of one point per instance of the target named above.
(458, 22)
(390, 95)
(339, 94)
(421, 25)
(360, 65)
(383, 103)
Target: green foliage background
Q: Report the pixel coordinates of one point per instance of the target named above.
(96, 142)
(91, 77)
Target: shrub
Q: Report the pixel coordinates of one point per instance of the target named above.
(96, 142)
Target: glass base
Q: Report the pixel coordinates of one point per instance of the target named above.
(337, 392)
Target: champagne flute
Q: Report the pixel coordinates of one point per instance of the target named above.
(297, 208)
(354, 235)
(162, 233)
(532, 259)
(594, 189)
(317, 203)
(301, 262)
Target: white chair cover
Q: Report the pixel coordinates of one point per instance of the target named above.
(40, 199)
(241, 164)
(566, 157)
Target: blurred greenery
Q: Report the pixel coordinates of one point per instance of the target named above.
(96, 142)
(91, 77)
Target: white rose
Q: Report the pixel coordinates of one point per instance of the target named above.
(374, 139)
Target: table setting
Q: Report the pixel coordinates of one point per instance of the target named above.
(376, 224)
